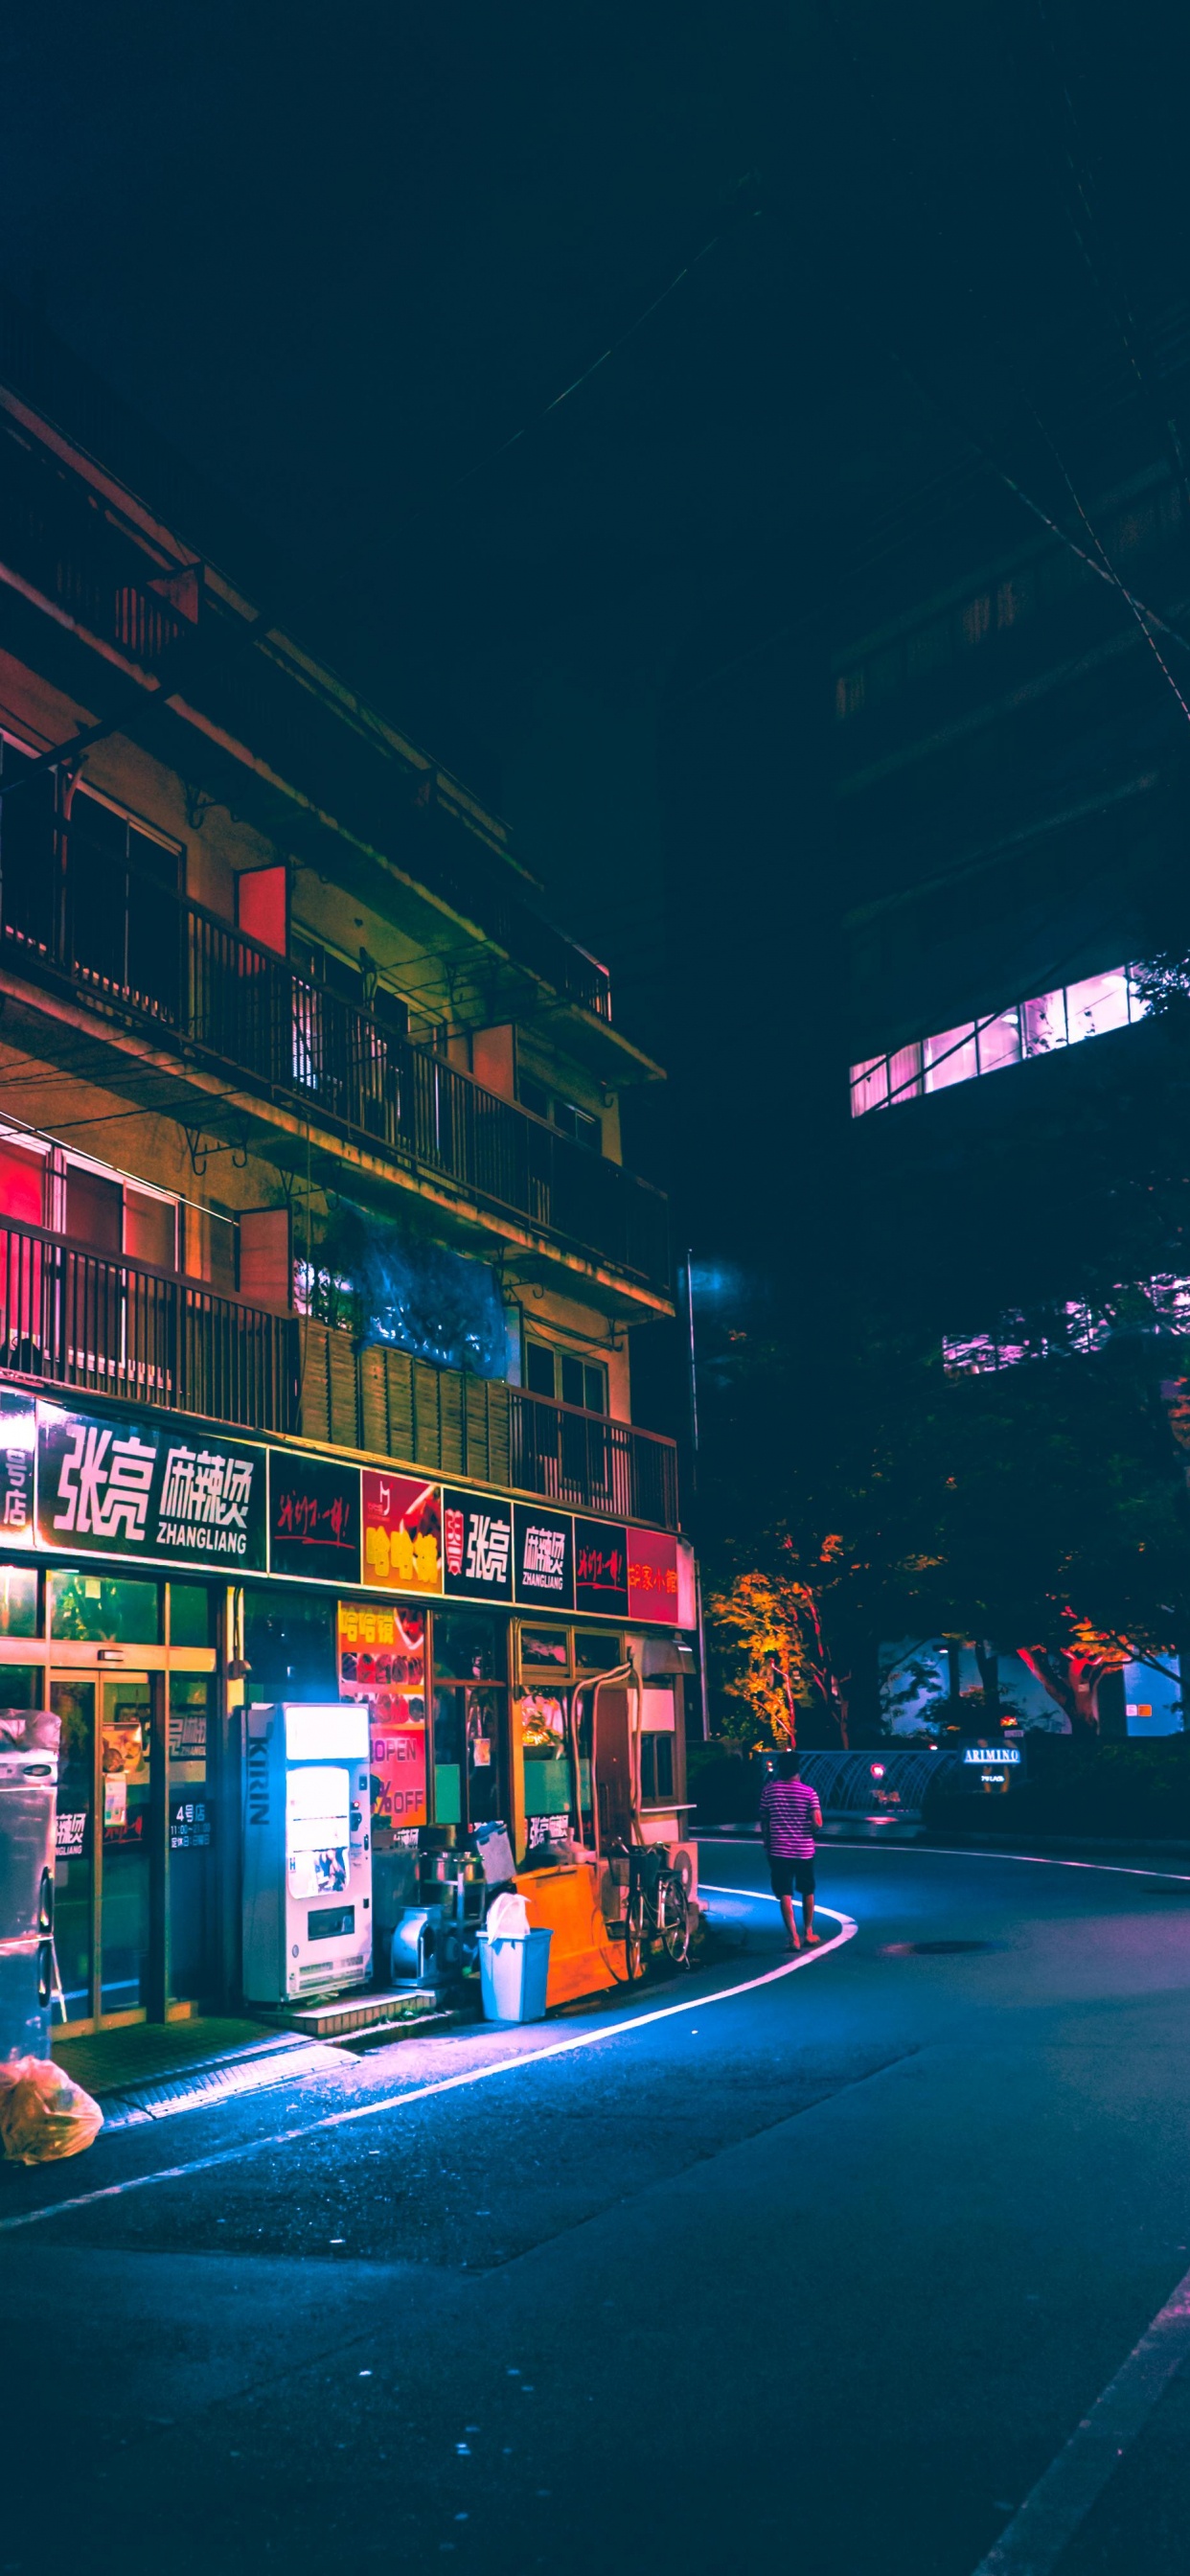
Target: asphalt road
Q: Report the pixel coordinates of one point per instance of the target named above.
(823, 2275)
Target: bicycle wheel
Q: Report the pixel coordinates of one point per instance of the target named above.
(673, 1917)
(634, 1936)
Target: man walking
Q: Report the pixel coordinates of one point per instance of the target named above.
(789, 1816)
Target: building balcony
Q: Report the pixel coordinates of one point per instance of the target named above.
(74, 1318)
(198, 988)
(273, 714)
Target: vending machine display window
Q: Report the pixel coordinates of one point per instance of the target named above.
(318, 1830)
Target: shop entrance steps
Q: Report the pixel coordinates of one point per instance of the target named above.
(356, 2013)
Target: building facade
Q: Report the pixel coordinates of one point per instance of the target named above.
(1012, 747)
(319, 1263)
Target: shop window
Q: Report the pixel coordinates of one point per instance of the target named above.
(18, 1601)
(597, 1650)
(22, 1184)
(470, 1645)
(289, 1643)
(189, 1618)
(656, 1770)
(543, 1715)
(545, 1650)
(22, 1686)
(102, 1609)
(192, 1919)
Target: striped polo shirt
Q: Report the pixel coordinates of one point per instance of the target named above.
(787, 1810)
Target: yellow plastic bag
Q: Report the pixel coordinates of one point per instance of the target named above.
(43, 2113)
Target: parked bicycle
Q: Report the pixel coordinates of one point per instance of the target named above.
(658, 1911)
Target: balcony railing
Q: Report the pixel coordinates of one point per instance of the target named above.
(191, 977)
(456, 1425)
(589, 1463)
(71, 1317)
(56, 542)
(76, 1318)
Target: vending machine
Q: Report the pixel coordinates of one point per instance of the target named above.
(307, 1851)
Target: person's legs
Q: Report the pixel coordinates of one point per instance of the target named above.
(805, 1889)
(782, 1880)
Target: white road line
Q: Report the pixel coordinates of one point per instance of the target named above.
(848, 1928)
(947, 1851)
(1033, 2542)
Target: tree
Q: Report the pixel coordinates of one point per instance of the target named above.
(770, 1633)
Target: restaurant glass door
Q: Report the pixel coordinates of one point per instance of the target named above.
(102, 1894)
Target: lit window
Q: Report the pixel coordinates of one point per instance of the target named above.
(1000, 1041)
(904, 1073)
(1096, 1005)
(869, 1085)
(1045, 1023)
(951, 1057)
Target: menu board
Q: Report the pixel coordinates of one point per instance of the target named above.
(314, 1517)
(382, 1661)
(149, 1486)
(402, 1532)
(476, 1545)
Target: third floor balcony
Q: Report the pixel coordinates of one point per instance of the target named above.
(77, 918)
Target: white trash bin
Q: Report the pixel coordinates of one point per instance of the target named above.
(513, 1971)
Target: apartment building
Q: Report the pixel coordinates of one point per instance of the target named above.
(1010, 779)
(320, 1266)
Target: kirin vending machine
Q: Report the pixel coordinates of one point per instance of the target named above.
(307, 1851)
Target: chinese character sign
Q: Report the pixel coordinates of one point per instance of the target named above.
(148, 1488)
(653, 1576)
(314, 1518)
(402, 1532)
(544, 1557)
(601, 1568)
(18, 1442)
(477, 1545)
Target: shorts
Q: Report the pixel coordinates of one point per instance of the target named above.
(785, 1875)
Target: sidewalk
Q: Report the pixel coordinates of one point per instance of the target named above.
(151, 2069)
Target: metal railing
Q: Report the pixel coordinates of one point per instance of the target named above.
(69, 554)
(78, 1318)
(181, 969)
(590, 1463)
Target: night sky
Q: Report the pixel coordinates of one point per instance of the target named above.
(342, 256)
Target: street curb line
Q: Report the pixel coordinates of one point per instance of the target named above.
(848, 1928)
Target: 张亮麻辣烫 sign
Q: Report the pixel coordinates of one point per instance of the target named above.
(150, 1488)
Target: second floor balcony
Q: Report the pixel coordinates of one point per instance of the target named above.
(73, 914)
(74, 1318)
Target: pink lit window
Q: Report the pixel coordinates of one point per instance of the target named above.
(904, 1073)
(1044, 1023)
(951, 1057)
(1099, 1003)
(869, 1085)
(1000, 1041)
